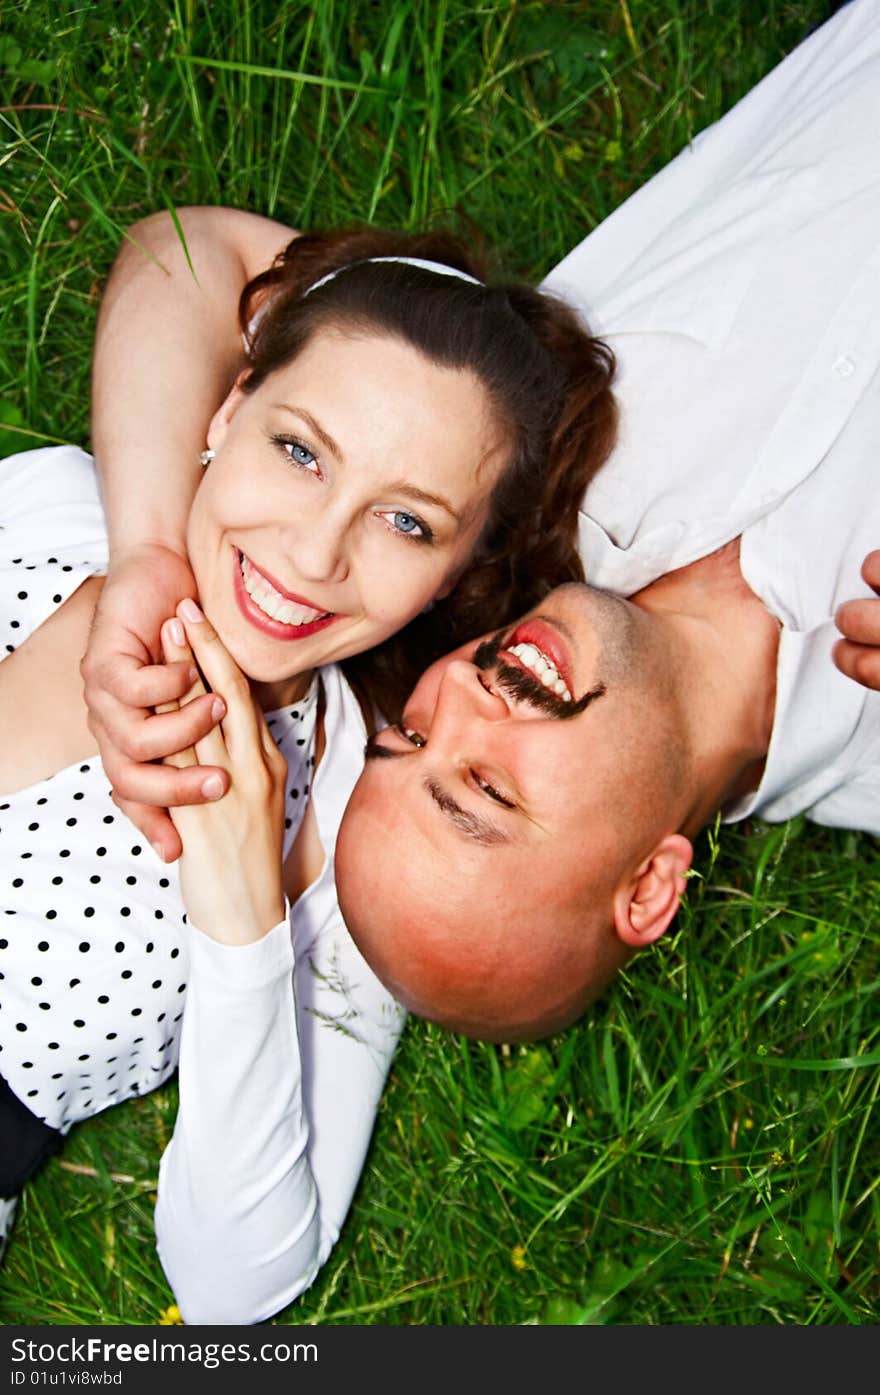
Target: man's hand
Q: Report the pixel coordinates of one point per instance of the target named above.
(125, 680)
(858, 653)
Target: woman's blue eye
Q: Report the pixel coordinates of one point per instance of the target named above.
(406, 525)
(301, 454)
(297, 453)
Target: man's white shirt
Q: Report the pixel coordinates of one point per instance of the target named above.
(740, 291)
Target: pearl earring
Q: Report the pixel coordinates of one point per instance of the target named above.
(205, 458)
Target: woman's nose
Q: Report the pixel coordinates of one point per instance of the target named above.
(318, 547)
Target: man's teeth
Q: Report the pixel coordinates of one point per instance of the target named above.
(267, 599)
(543, 668)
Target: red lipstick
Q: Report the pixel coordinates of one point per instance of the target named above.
(546, 638)
(275, 629)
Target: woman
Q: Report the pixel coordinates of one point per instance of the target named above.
(404, 446)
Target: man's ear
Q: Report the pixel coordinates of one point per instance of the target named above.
(219, 423)
(645, 906)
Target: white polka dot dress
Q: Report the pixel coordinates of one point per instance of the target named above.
(93, 960)
(282, 1046)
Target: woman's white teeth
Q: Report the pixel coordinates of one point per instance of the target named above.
(543, 668)
(264, 595)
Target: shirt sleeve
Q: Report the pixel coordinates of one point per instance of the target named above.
(281, 1070)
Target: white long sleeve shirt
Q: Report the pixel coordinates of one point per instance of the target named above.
(282, 1046)
(740, 291)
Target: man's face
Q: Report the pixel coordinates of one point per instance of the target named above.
(482, 811)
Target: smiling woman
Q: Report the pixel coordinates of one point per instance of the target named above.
(403, 445)
(317, 525)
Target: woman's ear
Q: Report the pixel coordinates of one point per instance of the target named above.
(645, 906)
(219, 423)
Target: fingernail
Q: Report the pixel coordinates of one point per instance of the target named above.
(175, 629)
(190, 611)
(193, 674)
(218, 709)
(212, 788)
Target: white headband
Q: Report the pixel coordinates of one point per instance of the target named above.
(439, 269)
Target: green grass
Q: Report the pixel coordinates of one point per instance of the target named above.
(703, 1148)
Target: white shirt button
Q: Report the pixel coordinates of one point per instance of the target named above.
(843, 366)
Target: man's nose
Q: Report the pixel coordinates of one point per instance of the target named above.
(317, 545)
(466, 694)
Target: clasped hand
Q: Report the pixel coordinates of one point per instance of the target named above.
(231, 867)
(858, 653)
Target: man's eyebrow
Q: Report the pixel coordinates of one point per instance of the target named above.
(323, 436)
(473, 826)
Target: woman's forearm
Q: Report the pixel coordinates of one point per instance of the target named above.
(167, 349)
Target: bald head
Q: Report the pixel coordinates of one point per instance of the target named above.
(500, 859)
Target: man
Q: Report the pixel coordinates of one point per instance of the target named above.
(500, 860)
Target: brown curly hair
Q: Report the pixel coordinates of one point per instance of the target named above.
(549, 381)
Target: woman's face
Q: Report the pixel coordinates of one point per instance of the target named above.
(346, 493)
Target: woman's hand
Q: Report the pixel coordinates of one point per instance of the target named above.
(231, 867)
(858, 653)
(124, 685)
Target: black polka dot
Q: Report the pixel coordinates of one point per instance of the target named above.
(89, 912)
(119, 946)
(103, 998)
(78, 1022)
(131, 881)
(43, 946)
(94, 879)
(84, 946)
